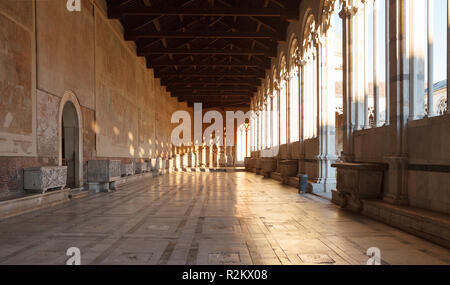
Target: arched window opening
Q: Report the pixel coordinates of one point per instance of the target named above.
(310, 80)
(336, 60)
(243, 142)
(294, 93)
(433, 15)
(275, 112)
(283, 101)
(269, 99)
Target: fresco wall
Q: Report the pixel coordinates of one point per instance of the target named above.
(47, 51)
(17, 96)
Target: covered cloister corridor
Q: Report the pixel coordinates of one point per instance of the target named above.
(198, 132)
(225, 218)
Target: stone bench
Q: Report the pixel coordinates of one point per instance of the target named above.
(40, 179)
(102, 174)
(358, 181)
(288, 168)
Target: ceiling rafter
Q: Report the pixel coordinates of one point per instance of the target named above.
(212, 51)
(121, 12)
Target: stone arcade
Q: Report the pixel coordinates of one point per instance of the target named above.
(349, 101)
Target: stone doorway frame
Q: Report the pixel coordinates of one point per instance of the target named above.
(69, 96)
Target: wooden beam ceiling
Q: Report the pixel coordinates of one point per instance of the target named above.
(121, 12)
(210, 51)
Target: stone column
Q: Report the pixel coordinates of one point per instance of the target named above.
(287, 78)
(388, 71)
(326, 156)
(359, 63)
(302, 116)
(376, 89)
(367, 64)
(399, 95)
(347, 14)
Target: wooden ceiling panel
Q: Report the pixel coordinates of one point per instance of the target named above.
(211, 51)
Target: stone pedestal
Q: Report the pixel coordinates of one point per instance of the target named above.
(127, 169)
(358, 181)
(102, 174)
(288, 168)
(40, 179)
(269, 165)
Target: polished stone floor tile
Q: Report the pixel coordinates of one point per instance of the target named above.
(207, 218)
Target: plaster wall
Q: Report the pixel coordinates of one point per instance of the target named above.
(47, 51)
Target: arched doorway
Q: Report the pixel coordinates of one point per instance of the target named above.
(71, 139)
(69, 142)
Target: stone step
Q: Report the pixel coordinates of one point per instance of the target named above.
(78, 193)
(276, 176)
(29, 203)
(429, 225)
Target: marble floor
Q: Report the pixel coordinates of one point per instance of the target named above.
(207, 218)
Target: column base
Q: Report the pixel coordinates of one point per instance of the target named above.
(321, 185)
(97, 187)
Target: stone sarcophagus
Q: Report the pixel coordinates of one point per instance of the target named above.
(269, 165)
(127, 169)
(357, 181)
(40, 179)
(288, 168)
(103, 172)
(141, 167)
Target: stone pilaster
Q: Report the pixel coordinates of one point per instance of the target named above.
(348, 19)
(326, 119)
(399, 84)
